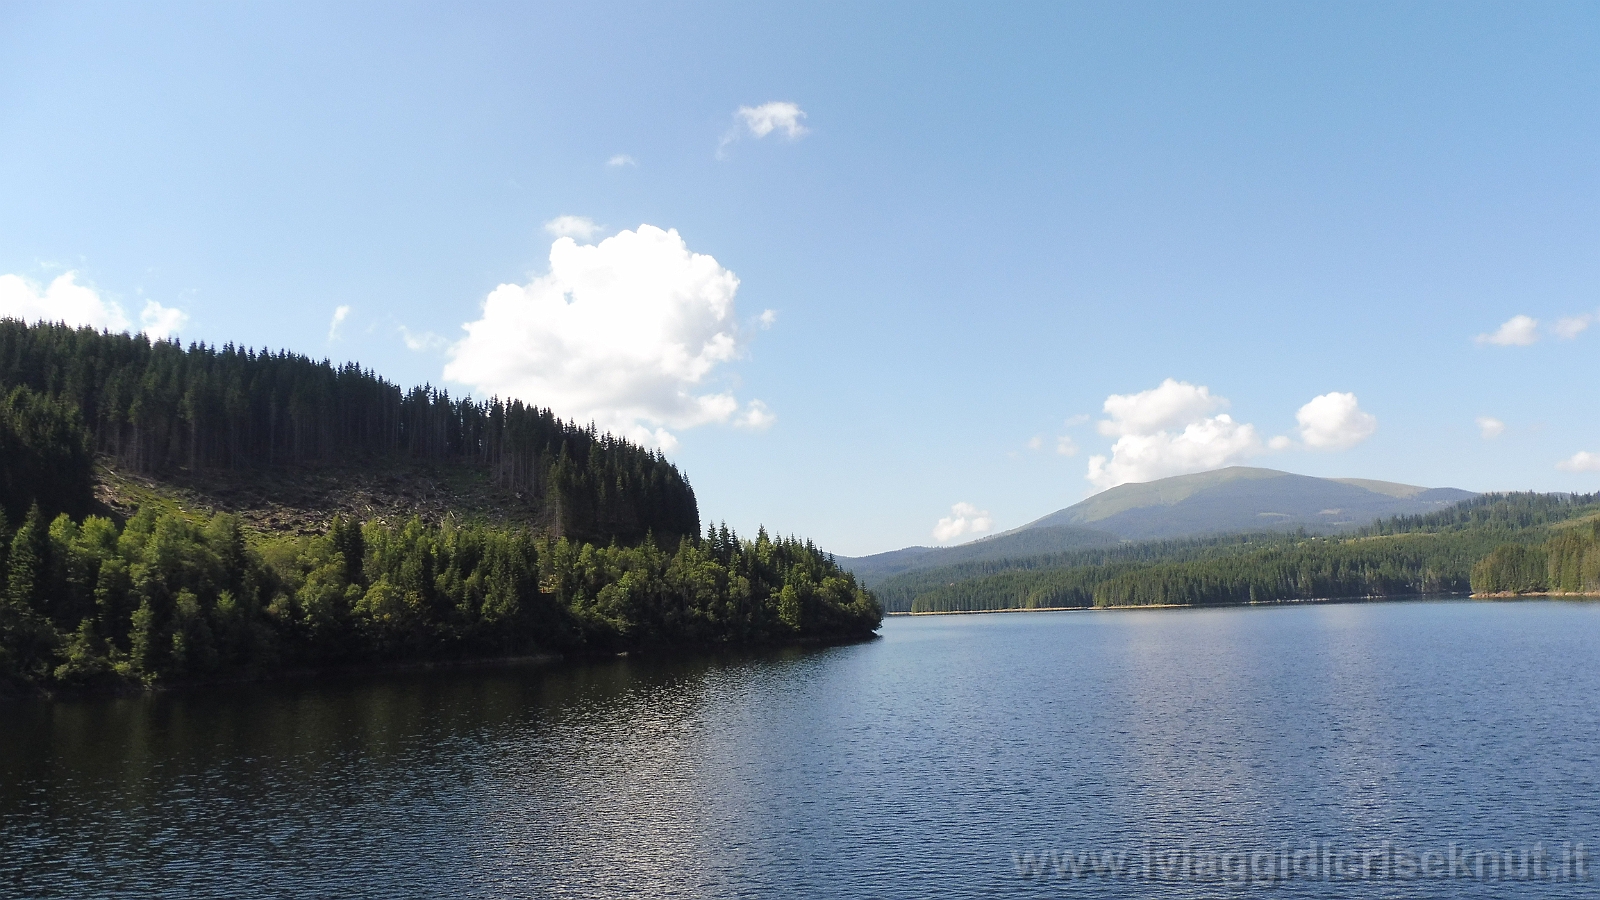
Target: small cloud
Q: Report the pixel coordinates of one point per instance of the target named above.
(760, 121)
(1035, 442)
(79, 305)
(1582, 461)
(339, 315)
(427, 340)
(580, 228)
(1075, 421)
(1334, 421)
(1066, 446)
(756, 417)
(767, 318)
(964, 518)
(1517, 331)
(1572, 326)
(620, 160)
(1281, 442)
(1490, 427)
(162, 322)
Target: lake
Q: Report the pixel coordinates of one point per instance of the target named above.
(1423, 749)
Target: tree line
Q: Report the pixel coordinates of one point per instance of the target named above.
(156, 407)
(1513, 543)
(163, 598)
(1568, 563)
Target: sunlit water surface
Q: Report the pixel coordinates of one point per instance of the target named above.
(924, 764)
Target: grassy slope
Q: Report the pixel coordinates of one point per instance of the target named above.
(302, 500)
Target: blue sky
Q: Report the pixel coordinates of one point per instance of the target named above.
(977, 231)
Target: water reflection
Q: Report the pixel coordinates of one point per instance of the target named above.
(908, 767)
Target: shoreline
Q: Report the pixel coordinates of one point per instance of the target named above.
(1406, 598)
(1513, 595)
(119, 688)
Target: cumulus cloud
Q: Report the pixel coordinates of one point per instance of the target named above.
(1517, 331)
(1178, 428)
(1490, 427)
(759, 121)
(1066, 446)
(621, 159)
(1582, 461)
(1168, 430)
(756, 417)
(1334, 421)
(581, 228)
(1211, 443)
(1572, 326)
(161, 322)
(627, 333)
(1035, 442)
(340, 313)
(1147, 412)
(65, 300)
(964, 518)
(767, 319)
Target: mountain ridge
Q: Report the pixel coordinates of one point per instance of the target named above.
(1220, 501)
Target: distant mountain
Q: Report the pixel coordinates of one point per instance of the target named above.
(870, 570)
(1234, 499)
(1240, 498)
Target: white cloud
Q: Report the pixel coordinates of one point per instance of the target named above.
(1176, 429)
(162, 322)
(768, 318)
(756, 417)
(1210, 443)
(1171, 403)
(1582, 461)
(621, 159)
(964, 518)
(340, 313)
(1035, 442)
(627, 333)
(775, 116)
(1334, 421)
(1490, 427)
(426, 340)
(65, 300)
(1572, 326)
(580, 228)
(760, 121)
(1517, 331)
(1075, 421)
(1150, 445)
(1066, 446)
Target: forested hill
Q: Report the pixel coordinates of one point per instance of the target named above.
(157, 408)
(594, 544)
(1234, 500)
(1490, 544)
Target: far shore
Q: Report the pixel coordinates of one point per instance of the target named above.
(1511, 595)
(1372, 599)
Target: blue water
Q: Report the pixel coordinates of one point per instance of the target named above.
(947, 759)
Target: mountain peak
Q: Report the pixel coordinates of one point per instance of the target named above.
(1244, 498)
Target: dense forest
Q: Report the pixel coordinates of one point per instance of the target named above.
(1495, 543)
(168, 595)
(164, 598)
(156, 407)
